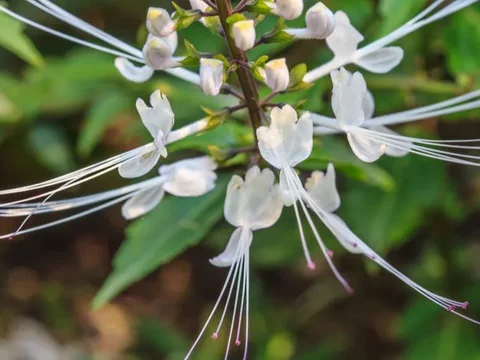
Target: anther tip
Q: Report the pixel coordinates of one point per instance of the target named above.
(10, 238)
(330, 253)
(465, 305)
(451, 308)
(312, 266)
(214, 336)
(238, 342)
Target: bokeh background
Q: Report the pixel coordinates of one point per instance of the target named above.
(63, 107)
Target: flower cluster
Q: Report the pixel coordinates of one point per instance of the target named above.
(283, 139)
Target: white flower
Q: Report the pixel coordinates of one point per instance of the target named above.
(320, 23)
(158, 53)
(211, 76)
(185, 178)
(250, 204)
(284, 144)
(244, 34)
(325, 200)
(277, 76)
(287, 9)
(159, 120)
(159, 22)
(288, 140)
(141, 74)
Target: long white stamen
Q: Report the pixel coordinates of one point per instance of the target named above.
(247, 305)
(241, 279)
(130, 52)
(220, 297)
(240, 318)
(67, 204)
(412, 25)
(70, 38)
(69, 218)
(291, 179)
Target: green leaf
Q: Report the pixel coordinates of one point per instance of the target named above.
(461, 37)
(14, 40)
(50, 146)
(387, 220)
(101, 115)
(395, 13)
(331, 149)
(167, 231)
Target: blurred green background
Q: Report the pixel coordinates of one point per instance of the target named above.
(63, 107)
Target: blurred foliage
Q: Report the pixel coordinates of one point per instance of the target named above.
(68, 107)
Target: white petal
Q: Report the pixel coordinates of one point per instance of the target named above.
(254, 203)
(191, 177)
(159, 117)
(139, 165)
(142, 203)
(286, 140)
(172, 41)
(348, 94)
(343, 234)
(288, 197)
(323, 189)
(381, 61)
(390, 150)
(366, 149)
(242, 238)
(345, 38)
(136, 74)
(368, 105)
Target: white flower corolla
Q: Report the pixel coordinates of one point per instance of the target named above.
(277, 76)
(284, 144)
(250, 204)
(185, 178)
(320, 23)
(287, 9)
(211, 76)
(158, 53)
(324, 199)
(159, 22)
(288, 140)
(344, 43)
(141, 74)
(159, 120)
(243, 33)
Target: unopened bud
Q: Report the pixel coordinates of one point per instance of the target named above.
(320, 21)
(277, 76)
(158, 54)
(211, 76)
(287, 9)
(159, 22)
(244, 34)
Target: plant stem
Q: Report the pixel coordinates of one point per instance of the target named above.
(245, 78)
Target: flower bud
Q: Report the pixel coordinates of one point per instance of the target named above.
(288, 9)
(244, 34)
(158, 54)
(199, 5)
(211, 76)
(159, 22)
(320, 21)
(277, 76)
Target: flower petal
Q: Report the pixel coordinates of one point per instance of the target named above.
(254, 203)
(390, 150)
(136, 74)
(343, 234)
(159, 117)
(381, 61)
(348, 95)
(237, 246)
(286, 140)
(368, 105)
(142, 203)
(345, 38)
(323, 189)
(139, 165)
(366, 149)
